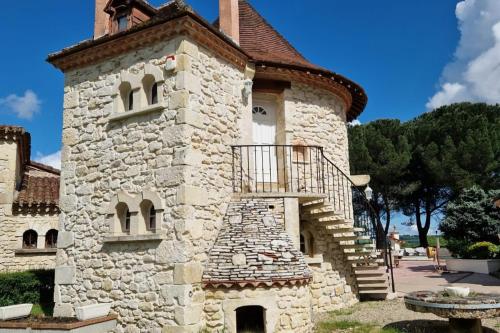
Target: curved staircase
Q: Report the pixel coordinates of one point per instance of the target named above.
(366, 262)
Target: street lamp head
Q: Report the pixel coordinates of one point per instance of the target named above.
(368, 192)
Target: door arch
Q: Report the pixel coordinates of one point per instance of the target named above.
(250, 319)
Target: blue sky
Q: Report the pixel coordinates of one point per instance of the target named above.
(408, 55)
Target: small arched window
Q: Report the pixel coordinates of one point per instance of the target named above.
(51, 239)
(124, 216)
(30, 239)
(150, 89)
(127, 221)
(152, 218)
(130, 101)
(126, 97)
(311, 246)
(302, 244)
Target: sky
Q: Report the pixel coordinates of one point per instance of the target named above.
(410, 56)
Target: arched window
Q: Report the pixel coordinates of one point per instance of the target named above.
(51, 239)
(130, 101)
(127, 220)
(126, 97)
(30, 239)
(302, 244)
(148, 212)
(151, 89)
(154, 94)
(124, 216)
(152, 218)
(311, 246)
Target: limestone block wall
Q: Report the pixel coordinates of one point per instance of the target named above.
(333, 285)
(287, 308)
(179, 151)
(11, 239)
(317, 117)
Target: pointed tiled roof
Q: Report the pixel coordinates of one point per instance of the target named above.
(263, 43)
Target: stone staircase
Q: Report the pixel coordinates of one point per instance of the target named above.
(366, 262)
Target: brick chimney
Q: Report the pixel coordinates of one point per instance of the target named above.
(101, 23)
(229, 19)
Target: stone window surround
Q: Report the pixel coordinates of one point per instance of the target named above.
(139, 85)
(138, 205)
(41, 232)
(316, 257)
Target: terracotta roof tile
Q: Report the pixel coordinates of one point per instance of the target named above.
(38, 190)
(263, 43)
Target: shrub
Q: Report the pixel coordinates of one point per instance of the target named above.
(482, 250)
(473, 217)
(458, 248)
(35, 287)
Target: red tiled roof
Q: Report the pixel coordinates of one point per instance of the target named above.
(263, 43)
(38, 190)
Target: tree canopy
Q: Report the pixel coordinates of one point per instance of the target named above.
(417, 167)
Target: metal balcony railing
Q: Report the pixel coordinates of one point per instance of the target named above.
(306, 170)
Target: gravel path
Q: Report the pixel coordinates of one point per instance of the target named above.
(394, 314)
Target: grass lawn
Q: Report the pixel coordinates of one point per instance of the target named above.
(351, 326)
(42, 310)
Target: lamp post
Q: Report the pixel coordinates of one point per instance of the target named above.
(368, 193)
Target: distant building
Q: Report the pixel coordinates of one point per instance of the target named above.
(29, 205)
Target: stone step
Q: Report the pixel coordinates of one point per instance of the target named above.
(366, 260)
(314, 205)
(350, 238)
(329, 223)
(374, 292)
(373, 273)
(373, 286)
(371, 279)
(371, 269)
(320, 214)
(360, 250)
(358, 246)
(345, 230)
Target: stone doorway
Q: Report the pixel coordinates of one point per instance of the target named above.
(250, 319)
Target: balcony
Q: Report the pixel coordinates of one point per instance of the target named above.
(303, 172)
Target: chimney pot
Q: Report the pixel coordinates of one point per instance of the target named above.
(101, 21)
(229, 19)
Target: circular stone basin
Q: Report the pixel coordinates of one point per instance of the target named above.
(464, 313)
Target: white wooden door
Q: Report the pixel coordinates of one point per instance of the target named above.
(264, 137)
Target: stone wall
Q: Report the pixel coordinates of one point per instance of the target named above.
(12, 226)
(11, 239)
(333, 285)
(287, 308)
(181, 152)
(317, 117)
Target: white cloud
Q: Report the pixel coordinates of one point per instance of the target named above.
(355, 122)
(474, 73)
(23, 106)
(53, 160)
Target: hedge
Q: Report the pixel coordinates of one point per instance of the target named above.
(35, 287)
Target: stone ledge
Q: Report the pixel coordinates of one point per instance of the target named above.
(103, 324)
(317, 259)
(145, 110)
(35, 251)
(134, 238)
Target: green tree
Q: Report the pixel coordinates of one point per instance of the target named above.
(453, 147)
(381, 150)
(473, 217)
